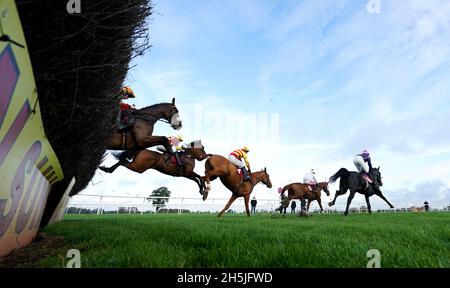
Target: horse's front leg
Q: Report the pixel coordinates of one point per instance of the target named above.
(368, 204)
(319, 200)
(247, 199)
(207, 178)
(198, 179)
(349, 200)
(307, 206)
(150, 141)
(228, 205)
(303, 208)
(112, 168)
(384, 198)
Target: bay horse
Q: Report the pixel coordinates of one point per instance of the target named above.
(301, 191)
(355, 182)
(146, 159)
(219, 167)
(140, 135)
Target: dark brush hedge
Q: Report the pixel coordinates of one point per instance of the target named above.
(80, 61)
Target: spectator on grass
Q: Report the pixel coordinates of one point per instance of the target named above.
(426, 206)
(293, 205)
(253, 202)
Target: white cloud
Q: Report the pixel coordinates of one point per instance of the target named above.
(169, 29)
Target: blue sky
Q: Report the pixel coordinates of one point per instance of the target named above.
(306, 84)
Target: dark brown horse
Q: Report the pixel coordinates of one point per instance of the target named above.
(140, 135)
(354, 181)
(301, 191)
(146, 159)
(219, 167)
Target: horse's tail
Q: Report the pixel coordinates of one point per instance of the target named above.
(285, 188)
(341, 173)
(127, 154)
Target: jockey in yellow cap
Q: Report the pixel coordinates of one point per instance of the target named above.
(177, 147)
(235, 158)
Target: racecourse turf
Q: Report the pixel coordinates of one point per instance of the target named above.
(263, 240)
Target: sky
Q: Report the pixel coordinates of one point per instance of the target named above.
(304, 84)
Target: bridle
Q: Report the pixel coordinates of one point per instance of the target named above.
(171, 114)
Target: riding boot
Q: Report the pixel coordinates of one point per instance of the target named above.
(120, 125)
(177, 156)
(245, 172)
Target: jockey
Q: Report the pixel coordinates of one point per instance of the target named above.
(310, 179)
(235, 158)
(364, 165)
(125, 109)
(177, 147)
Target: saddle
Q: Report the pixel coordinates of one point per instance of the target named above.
(366, 180)
(173, 159)
(240, 173)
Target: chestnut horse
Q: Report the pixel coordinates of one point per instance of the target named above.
(301, 191)
(218, 166)
(146, 159)
(140, 135)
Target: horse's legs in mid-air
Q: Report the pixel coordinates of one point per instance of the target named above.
(112, 168)
(368, 204)
(228, 205)
(246, 199)
(349, 200)
(384, 198)
(210, 175)
(338, 193)
(150, 141)
(199, 180)
(342, 190)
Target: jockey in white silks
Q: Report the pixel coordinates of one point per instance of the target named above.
(311, 180)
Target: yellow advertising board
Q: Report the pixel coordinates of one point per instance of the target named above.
(28, 164)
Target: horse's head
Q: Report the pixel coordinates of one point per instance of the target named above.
(324, 187)
(167, 112)
(265, 179)
(174, 117)
(197, 150)
(170, 114)
(377, 175)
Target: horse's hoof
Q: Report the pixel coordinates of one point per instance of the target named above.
(330, 204)
(205, 195)
(346, 213)
(104, 169)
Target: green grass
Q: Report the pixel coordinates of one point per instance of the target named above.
(203, 240)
